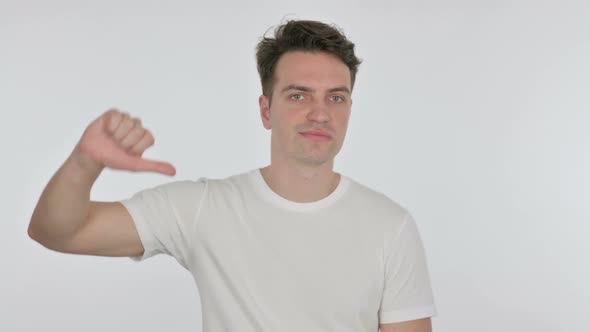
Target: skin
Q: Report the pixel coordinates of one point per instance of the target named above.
(418, 325)
(301, 170)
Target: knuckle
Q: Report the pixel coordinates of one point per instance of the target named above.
(136, 124)
(149, 137)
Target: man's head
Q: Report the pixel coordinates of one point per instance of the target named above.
(307, 73)
(308, 36)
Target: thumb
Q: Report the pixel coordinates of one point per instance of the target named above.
(146, 165)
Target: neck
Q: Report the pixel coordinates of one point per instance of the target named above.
(301, 184)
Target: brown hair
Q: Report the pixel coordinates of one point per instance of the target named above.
(302, 35)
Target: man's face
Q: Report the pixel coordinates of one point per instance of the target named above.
(311, 92)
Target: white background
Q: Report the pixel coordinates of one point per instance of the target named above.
(473, 115)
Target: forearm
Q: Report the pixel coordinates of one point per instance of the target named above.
(63, 205)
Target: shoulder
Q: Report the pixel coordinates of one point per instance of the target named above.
(379, 203)
(180, 187)
(178, 192)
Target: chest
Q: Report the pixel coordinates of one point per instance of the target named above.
(329, 266)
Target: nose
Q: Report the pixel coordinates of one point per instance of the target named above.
(318, 112)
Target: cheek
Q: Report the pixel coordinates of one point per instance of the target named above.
(293, 118)
(287, 122)
(340, 118)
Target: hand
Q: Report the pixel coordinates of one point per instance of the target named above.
(116, 140)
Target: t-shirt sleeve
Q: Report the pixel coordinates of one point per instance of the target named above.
(407, 293)
(165, 216)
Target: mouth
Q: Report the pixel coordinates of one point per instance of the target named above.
(317, 132)
(316, 137)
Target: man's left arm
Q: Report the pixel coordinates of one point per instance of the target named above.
(417, 325)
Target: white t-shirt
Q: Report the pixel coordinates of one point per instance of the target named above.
(264, 263)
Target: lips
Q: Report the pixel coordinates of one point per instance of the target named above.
(317, 133)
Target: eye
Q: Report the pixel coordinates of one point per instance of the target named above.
(337, 99)
(296, 97)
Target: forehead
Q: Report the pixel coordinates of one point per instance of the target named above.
(314, 69)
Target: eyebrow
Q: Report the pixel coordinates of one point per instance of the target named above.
(308, 89)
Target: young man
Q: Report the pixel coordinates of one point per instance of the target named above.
(293, 246)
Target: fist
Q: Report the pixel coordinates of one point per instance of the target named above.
(117, 140)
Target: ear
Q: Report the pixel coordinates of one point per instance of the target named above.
(264, 111)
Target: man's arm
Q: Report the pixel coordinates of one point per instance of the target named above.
(418, 325)
(66, 220)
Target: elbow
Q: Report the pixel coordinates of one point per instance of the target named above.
(37, 236)
(45, 240)
(31, 233)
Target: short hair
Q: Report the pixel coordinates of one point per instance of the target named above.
(302, 35)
